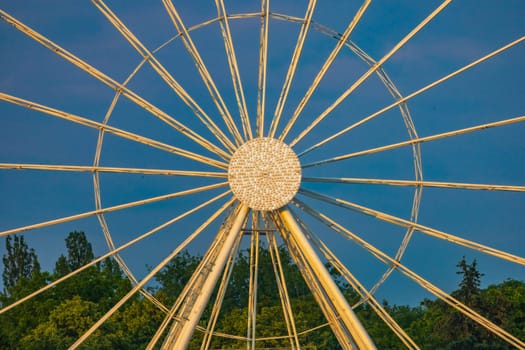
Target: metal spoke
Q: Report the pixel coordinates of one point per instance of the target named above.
(115, 131)
(214, 316)
(203, 71)
(283, 291)
(416, 183)
(314, 284)
(355, 330)
(309, 253)
(113, 208)
(188, 287)
(183, 129)
(113, 252)
(418, 227)
(234, 69)
(419, 140)
(380, 255)
(402, 100)
(146, 279)
(252, 283)
(189, 314)
(263, 65)
(358, 287)
(98, 202)
(370, 71)
(340, 43)
(166, 76)
(104, 169)
(416, 149)
(292, 68)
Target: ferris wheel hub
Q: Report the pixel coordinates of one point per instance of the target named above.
(264, 173)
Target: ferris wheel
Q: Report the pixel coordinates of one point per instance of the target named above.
(229, 124)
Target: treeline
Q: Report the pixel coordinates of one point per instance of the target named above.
(60, 315)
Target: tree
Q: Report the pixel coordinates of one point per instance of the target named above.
(139, 322)
(464, 330)
(79, 250)
(79, 253)
(442, 327)
(55, 319)
(102, 283)
(20, 262)
(176, 274)
(21, 276)
(505, 303)
(61, 266)
(66, 324)
(469, 289)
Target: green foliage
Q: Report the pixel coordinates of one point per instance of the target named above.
(139, 321)
(176, 274)
(267, 292)
(20, 262)
(41, 320)
(79, 250)
(17, 322)
(468, 291)
(65, 324)
(441, 327)
(505, 303)
(61, 266)
(56, 318)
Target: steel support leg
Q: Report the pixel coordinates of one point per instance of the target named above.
(359, 335)
(180, 338)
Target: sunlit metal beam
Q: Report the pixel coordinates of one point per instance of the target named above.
(223, 286)
(418, 227)
(358, 287)
(427, 285)
(402, 100)
(234, 69)
(263, 65)
(352, 323)
(143, 282)
(292, 67)
(111, 209)
(202, 69)
(165, 75)
(326, 65)
(110, 129)
(415, 183)
(105, 169)
(418, 140)
(181, 332)
(283, 291)
(116, 251)
(370, 71)
(132, 96)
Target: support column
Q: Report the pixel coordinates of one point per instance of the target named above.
(348, 317)
(181, 332)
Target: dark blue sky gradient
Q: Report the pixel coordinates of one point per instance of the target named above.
(463, 32)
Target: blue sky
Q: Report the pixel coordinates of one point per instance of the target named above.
(463, 32)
